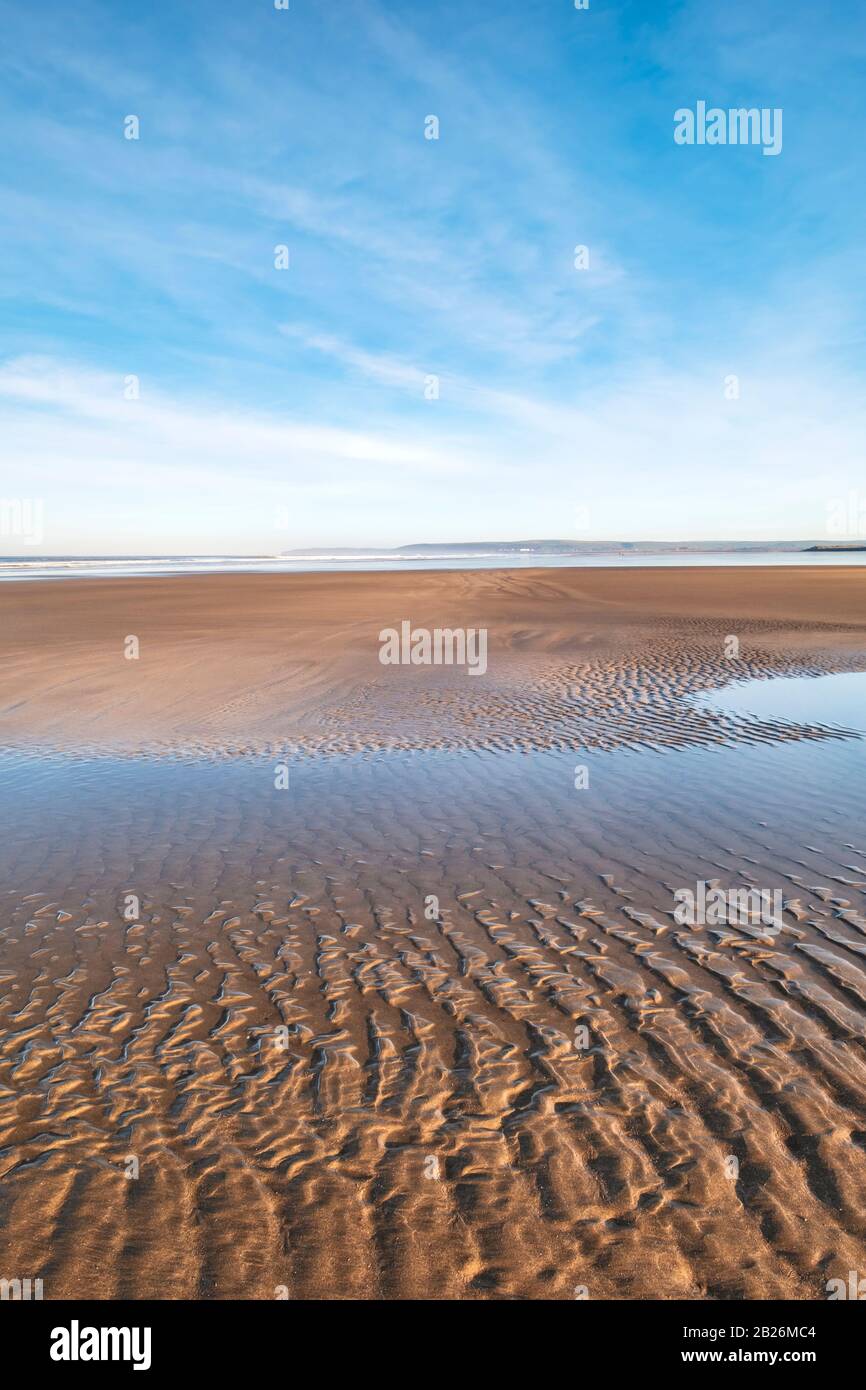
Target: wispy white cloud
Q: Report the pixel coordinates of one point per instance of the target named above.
(559, 388)
(146, 424)
(745, 467)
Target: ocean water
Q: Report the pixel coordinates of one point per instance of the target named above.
(16, 568)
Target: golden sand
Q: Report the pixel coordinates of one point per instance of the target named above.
(424, 1024)
(262, 662)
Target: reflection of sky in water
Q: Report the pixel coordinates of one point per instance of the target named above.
(76, 825)
(836, 699)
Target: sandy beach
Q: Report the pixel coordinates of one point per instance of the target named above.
(256, 663)
(422, 1022)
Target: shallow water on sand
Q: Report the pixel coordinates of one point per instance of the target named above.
(338, 1048)
(837, 700)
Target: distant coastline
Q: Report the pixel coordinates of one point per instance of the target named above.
(442, 550)
(456, 549)
(844, 548)
(491, 555)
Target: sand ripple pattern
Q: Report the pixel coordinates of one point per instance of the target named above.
(640, 700)
(529, 700)
(327, 1093)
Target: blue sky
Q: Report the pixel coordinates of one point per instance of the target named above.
(284, 408)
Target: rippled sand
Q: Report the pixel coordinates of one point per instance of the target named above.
(252, 663)
(339, 1049)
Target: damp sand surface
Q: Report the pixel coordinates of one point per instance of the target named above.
(257, 663)
(422, 1022)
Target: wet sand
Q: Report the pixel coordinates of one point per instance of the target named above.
(339, 1049)
(256, 663)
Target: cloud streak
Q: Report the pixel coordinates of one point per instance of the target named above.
(560, 388)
